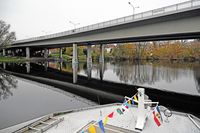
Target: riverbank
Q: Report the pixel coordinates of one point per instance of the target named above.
(22, 59)
(12, 59)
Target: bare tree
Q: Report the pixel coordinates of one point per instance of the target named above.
(6, 37)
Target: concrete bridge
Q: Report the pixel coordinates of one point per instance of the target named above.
(180, 21)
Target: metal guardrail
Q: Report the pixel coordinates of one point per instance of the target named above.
(123, 20)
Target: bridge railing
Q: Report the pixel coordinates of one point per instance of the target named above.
(127, 19)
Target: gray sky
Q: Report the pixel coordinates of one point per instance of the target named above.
(29, 18)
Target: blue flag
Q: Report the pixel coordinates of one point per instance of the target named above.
(157, 108)
(101, 126)
(132, 101)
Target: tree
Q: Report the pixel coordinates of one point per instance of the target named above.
(6, 37)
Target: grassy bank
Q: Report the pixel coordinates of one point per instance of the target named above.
(12, 59)
(68, 58)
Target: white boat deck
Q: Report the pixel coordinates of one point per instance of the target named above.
(75, 121)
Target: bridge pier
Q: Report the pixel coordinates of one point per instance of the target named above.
(4, 52)
(28, 67)
(46, 65)
(46, 53)
(89, 55)
(61, 65)
(101, 58)
(101, 68)
(75, 56)
(60, 53)
(27, 52)
(4, 65)
(13, 52)
(75, 63)
(89, 62)
(75, 73)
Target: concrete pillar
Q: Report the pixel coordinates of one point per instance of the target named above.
(46, 65)
(60, 53)
(75, 56)
(101, 68)
(28, 67)
(27, 52)
(4, 65)
(75, 63)
(89, 62)
(46, 53)
(13, 52)
(89, 55)
(101, 58)
(61, 65)
(75, 73)
(4, 52)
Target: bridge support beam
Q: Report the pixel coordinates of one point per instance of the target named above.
(89, 61)
(27, 52)
(4, 65)
(28, 67)
(75, 55)
(101, 58)
(89, 55)
(46, 65)
(13, 52)
(75, 63)
(61, 65)
(75, 73)
(101, 69)
(4, 52)
(46, 53)
(60, 53)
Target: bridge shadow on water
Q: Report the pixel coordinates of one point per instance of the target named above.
(101, 91)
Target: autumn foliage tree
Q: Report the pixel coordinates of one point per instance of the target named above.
(158, 50)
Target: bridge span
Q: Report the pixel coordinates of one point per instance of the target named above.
(180, 21)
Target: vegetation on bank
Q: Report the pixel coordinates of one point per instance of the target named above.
(173, 50)
(82, 53)
(12, 59)
(168, 50)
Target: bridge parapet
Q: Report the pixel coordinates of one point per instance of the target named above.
(188, 5)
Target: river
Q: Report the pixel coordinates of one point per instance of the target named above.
(22, 99)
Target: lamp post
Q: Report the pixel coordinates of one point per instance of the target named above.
(74, 24)
(133, 7)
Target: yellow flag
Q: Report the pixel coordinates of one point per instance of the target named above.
(92, 129)
(129, 102)
(135, 98)
(105, 121)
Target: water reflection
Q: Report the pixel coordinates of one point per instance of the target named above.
(183, 77)
(160, 73)
(7, 83)
(148, 72)
(197, 78)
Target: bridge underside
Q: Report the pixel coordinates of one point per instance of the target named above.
(183, 25)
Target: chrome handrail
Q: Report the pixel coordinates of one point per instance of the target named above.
(195, 123)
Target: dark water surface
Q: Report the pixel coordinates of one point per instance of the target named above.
(181, 77)
(22, 100)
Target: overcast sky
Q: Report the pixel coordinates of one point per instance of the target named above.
(29, 18)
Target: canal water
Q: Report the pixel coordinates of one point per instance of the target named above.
(21, 99)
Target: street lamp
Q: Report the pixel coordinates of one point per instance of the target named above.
(44, 32)
(133, 7)
(74, 24)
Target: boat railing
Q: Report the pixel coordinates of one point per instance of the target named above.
(191, 117)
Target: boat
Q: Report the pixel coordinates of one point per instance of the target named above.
(136, 114)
